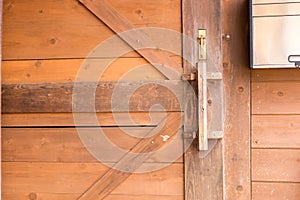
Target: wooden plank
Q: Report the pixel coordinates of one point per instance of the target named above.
(65, 29)
(275, 131)
(275, 191)
(67, 119)
(129, 163)
(276, 165)
(137, 39)
(72, 196)
(57, 97)
(276, 97)
(236, 73)
(265, 75)
(33, 144)
(59, 179)
(1, 13)
(203, 176)
(41, 71)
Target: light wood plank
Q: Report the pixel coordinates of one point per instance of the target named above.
(57, 97)
(265, 75)
(276, 165)
(276, 131)
(276, 97)
(41, 71)
(59, 179)
(137, 39)
(33, 145)
(65, 29)
(275, 191)
(67, 119)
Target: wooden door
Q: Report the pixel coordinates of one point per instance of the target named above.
(48, 45)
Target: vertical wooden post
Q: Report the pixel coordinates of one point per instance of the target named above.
(237, 82)
(225, 172)
(1, 2)
(203, 176)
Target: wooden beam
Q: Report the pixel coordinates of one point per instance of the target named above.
(137, 39)
(236, 74)
(130, 163)
(57, 97)
(203, 175)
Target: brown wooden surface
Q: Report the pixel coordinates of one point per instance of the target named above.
(57, 97)
(275, 131)
(65, 29)
(237, 90)
(265, 75)
(276, 165)
(276, 97)
(62, 180)
(275, 191)
(41, 71)
(67, 119)
(137, 39)
(203, 176)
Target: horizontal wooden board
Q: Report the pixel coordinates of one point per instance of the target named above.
(60, 179)
(275, 191)
(57, 97)
(65, 29)
(67, 119)
(34, 145)
(276, 131)
(72, 196)
(265, 75)
(41, 71)
(276, 97)
(276, 165)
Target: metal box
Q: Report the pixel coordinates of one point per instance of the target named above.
(275, 33)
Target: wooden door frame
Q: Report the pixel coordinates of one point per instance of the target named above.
(225, 172)
(1, 13)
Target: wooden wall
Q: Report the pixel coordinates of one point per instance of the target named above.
(276, 134)
(44, 45)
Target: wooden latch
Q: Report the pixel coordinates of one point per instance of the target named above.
(211, 82)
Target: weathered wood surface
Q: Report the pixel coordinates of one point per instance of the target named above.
(275, 191)
(66, 29)
(65, 180)
(266, 75)
(236, 75)
(275, 131)
(57, 97)
(276, 165)
(129, 163)
(276, 97)
(137, 39)
(67, 119)
(45, 71)
(203, 176)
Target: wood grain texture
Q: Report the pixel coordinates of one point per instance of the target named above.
(67, 119)
(129, 163)
(237, 89)
(45, 71)
(275, 191)
(57, 97)
(203, 176)
(276, 165)
(265, 75)
(65, 29)
(33, 144)
(60, 179)
(137, 39)
(275, 131)
(276, 97)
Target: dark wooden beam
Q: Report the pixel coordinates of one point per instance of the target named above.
(57, 97)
